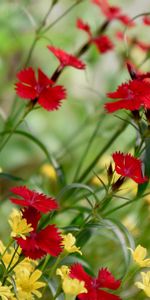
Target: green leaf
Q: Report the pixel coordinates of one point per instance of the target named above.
(49, 156)
(75, 186)
(10, 177)
(124, 237)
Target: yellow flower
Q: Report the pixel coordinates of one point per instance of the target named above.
(70, 286)
(27, 264)
(73, 286)
(49, 171)
(19, 225)
(5, 292)
(27, 284)
(138, 256)
(69, 243)
(7, 256)
(63, 272)
(145, 285)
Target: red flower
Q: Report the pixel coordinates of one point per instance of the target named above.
(132, 95)
(113, 12)
(95, 286)
(32, 216)
(103, 43)
(128, 166)
(146, 20)
(38, 244)
(85, 27)
(42, 89)
(66, 59)
(143, 46)
(33, 199)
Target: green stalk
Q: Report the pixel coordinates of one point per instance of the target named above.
(90, 142)
(15, 127)
(102, 151)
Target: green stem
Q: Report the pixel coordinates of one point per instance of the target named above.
(61, 16)
(7, 247)
(104, 149)
(9, 265)
(53, 268)
(14, 129)
(83, 156)
(45, 263)
(36, 38)
(119, 207)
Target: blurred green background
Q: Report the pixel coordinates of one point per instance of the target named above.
(66, 133)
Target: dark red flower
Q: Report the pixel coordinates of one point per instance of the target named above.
(84, 26)
(43, 89)
(66, 59)
(146, 20)
(38, 244)
(33, 199)
(113, 12)
(32, 216)
(103, 43)
(129, 166)
(132, 95)
(95, 286)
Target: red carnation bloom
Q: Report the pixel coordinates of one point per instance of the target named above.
(146, 20)
(129, 166)
(66, 59)
(84, 26)
(42, 89)
(132, 95)
(103, 43)
(113, 12)
(38, 244)
(32, 216)
(95, 286)
(33, 199)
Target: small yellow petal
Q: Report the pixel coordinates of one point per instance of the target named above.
(19, 225)
(49, 171)
(145, 285)
(138, 256)
(69, 243)
(63, 271)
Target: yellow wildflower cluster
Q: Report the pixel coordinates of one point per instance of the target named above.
(24, 275)
(145, 285)
(27, 284)
(70, 286)
(19, 225)
(139, 255)
(5, 293)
